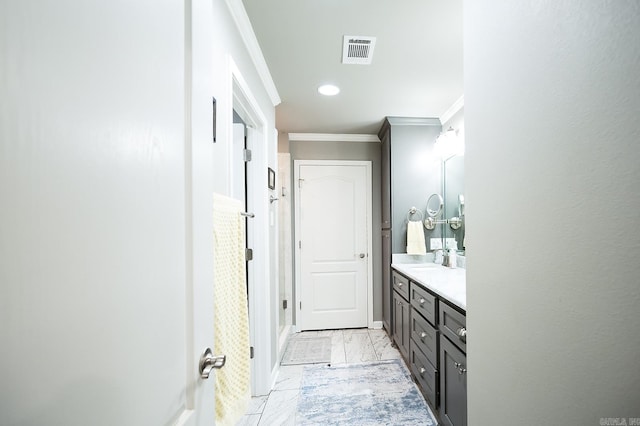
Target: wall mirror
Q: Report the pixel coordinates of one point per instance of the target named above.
(435, 205)
(453, 190)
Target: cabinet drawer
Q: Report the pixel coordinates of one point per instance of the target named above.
(425, 337)
(423, 302)
(453, 324)
(401, 285)
(426, 375)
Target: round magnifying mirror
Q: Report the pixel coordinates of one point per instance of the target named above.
(434, 205)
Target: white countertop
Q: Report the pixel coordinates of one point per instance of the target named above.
(448, 283)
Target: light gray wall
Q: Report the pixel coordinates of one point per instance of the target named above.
(553, 288)
(366, 151)
(415, 175)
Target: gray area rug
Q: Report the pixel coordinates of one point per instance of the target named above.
(307, 350)
(371, 394)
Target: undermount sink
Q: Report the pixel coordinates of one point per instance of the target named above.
(425, 267)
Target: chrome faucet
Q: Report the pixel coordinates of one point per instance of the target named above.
(441, 257)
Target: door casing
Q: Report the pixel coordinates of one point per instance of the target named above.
(369, 230)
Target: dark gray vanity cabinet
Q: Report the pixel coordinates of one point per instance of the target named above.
(400, 314)
(435, 352)
(423, 361)
(386, 280)
(403, 185)
(453, 366)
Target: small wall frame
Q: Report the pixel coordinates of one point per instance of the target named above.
(271, 178)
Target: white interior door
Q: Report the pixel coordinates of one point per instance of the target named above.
(333, 227)
(103, 315)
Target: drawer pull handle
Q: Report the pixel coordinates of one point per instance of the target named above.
(422, 370)
(422, 301)
(423, 334)
(461, 371)
(399, 284)
(462, 334)
(457, 364)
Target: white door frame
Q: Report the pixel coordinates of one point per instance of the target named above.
(369, 214)
(245, 104)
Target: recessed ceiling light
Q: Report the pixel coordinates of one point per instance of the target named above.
(328, 90)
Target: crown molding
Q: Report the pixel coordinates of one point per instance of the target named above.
(332, 137)
(241, 19)
(413, 121)
(453, 109)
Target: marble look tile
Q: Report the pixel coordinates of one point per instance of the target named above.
(256, 404)
(304, 334)
(327, 333)
(338, 355)
(382, 345)
(289, 377)
(358, 347)
(249, 420)
(351, 331)
(280, 408)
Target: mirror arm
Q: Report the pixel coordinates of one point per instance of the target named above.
(430, 223)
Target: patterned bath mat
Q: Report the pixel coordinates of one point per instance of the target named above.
(307, 350)
(379, 393)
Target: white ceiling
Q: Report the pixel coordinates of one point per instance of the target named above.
(416, 69)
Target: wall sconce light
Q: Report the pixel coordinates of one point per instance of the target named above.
(449, 144)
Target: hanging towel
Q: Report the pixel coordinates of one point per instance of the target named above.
(415, 238)
(231, 318)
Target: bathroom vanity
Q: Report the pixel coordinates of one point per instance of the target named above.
(429, 328)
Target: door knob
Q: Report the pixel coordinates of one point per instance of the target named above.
(208, 362)
(361, 255)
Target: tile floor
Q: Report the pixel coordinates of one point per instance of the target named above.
(348, 346)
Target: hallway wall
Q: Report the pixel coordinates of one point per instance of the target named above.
(551, 102)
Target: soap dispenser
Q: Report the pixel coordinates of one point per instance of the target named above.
(453, 260)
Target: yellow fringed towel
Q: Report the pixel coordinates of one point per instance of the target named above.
(233, 389)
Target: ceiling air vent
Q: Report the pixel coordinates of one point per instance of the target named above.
(358, 50)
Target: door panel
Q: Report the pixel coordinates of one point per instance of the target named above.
(101, 317)
(333, 246)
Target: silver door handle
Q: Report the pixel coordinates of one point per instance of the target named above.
(208, 362)
(361, 255)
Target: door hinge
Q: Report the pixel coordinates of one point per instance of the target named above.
(300, 183)
(300, 305)
(247, 155)
(251, 352)
(300, 244)
(284, 304)
(248, 254)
